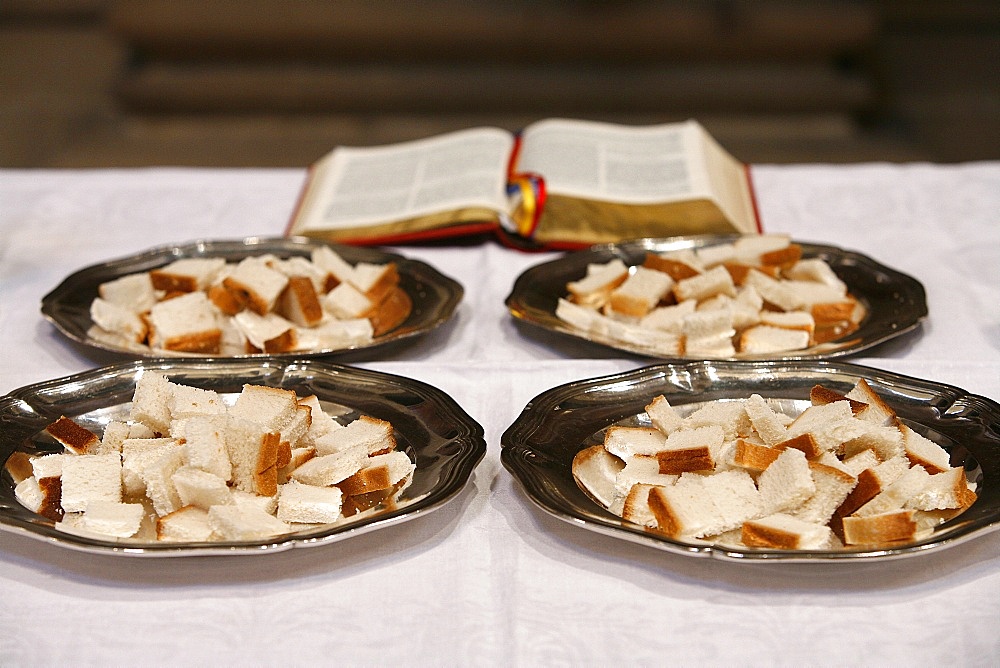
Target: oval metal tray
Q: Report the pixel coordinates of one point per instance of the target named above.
(538, 448)
(443, 441)
(434, 295)
(895, 303)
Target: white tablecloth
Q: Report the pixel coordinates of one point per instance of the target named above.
(489, 579)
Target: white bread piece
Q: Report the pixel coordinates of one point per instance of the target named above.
(269, 333)
(641, 291)
(710, 256)
(346, 302)
(267, 504)
(754, 457)
(270, 407)
(326, 470)
(801, 320)
(638, 470)
(600, 279)
(713, 282)
(87, 478)
(816, 270)
(668, 318)
(232, 342)
(295, 429)
(119, 320)
(886, 441)
(29, 494)
(48, 466)
(204, 441)
(872, 481)
(199, 488)
(709, 347)
(158, 475)
(374, 435)
(761, 339)
(595, 470)
(320, 422)
(664, 416)
(253, 452)
(878, 410)
(71, 435)
(679, 264)
(375, 280)
(186, 323)
(685, 509)
(296, 458)
(308, 504)
(895, 496)
(708, 325)
(787, 483)
(731, 416)
(187, 274)
(735, 496)
(858, 462)
(185, 525)
(299, 302)
(943, 491)
(785, 532)
(302, 267)
(664, 343)
(132, 291)
(581, 317)
(244, 523)
(112, 518)
(921, 451)
(151, 401)
(750, 247)
(831, 425)
(137, 453)
(628, 442)
(332, 265)
(764, 420)
(810, 293)
(116, 432)
(187, 401)
(635, 506)
(256, 285)
(889, 527)
(334, 334)
(832, 487)
(774, 291)
(378, 473)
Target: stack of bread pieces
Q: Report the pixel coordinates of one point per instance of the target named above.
(844, 472)
(262, 304)
(755, 295)
(189, 465)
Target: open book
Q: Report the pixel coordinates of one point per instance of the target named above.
(556, 184)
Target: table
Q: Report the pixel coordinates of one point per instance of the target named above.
(489, 579)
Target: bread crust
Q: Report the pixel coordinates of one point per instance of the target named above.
(391, 312)
(74, 438)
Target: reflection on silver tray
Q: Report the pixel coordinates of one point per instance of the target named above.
(895, 303)
(444, 442)
(434, 295)
(538, 449)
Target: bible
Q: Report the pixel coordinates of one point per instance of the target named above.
(556, 184)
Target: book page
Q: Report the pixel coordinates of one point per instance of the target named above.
(614, 162)
(354, 187)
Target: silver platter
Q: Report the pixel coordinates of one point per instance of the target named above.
(444, 442)
(434, 295)
(895, 303)
(538, 448)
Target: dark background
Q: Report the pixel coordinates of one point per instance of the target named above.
(99, 83)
